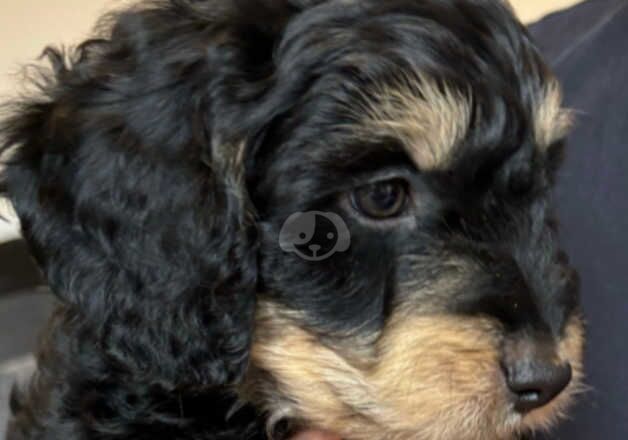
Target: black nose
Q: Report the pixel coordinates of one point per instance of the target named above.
(535, 384)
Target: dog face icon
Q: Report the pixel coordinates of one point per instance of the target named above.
(314, 235)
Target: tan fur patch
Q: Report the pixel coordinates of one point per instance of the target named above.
(429, 118)
(431, 377)
(426, 378)
(551, 121)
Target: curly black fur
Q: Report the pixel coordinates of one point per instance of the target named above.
(145, 176)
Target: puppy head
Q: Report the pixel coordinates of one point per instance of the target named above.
(433, 130)
(159, 174)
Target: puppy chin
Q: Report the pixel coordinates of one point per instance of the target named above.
(315, 435)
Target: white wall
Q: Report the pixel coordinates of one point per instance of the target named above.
(532, 10)
(27, 26)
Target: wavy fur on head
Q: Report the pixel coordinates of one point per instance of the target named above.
(152, 171)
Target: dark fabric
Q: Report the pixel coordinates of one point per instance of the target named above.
(17, 268)
(24, 303)
(22, 315)
(588, 48)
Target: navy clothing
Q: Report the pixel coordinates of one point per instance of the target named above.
(587, 46)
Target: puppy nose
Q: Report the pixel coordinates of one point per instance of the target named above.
(535, 384)
(533, 372)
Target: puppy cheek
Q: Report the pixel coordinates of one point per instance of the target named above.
(293, 376)
(438, 376)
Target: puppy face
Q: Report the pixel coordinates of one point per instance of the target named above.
(340, 208)
(453, 313)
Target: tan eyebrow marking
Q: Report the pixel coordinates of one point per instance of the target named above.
(552, 121)
(428, 117)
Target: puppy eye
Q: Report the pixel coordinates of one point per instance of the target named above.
(381, 200)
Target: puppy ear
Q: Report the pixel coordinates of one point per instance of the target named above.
(127, 175)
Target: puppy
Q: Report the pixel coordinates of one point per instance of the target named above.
(157, 174)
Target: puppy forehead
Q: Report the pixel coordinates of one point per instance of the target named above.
(431, 119)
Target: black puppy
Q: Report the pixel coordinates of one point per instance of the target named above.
(155, 172)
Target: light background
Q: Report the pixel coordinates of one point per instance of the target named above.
(26, 26)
